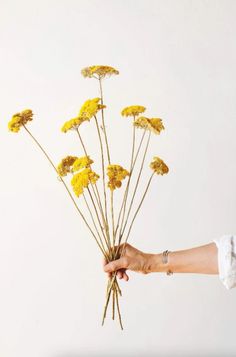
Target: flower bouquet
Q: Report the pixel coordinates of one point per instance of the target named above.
(96, 190)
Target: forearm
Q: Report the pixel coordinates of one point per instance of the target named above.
(201, 260)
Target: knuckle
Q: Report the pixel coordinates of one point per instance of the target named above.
(112, 266)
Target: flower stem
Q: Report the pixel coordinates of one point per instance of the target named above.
(128, 183)
(95, 226)
(103, 168)
(139, 206)
(67, 189)
(97, 197)
(136, 186)
(131, 165)
(103, 123)
(118, 308)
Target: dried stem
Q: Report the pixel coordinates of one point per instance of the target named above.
(136, 212)
(98, 198)
(118, 308)
(107, 239)
(136, 186)
(95, 226)
(103, 167)
(113, 219)
(103, 123)
(128, 182)
(67, 189)
(131, 165)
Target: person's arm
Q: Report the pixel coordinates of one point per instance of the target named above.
(218, 257)
(201, 259)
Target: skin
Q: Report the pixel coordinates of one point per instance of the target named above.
(200, 260)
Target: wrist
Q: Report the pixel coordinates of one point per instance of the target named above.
(156, 265)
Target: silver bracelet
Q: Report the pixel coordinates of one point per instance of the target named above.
(165, 260)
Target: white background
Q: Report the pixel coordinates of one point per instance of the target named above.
(177, 58)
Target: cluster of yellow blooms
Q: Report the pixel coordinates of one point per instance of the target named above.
(84, 175)
(152, 124)
(82, 179)
(116, 174)
(87, 111)
(81, 163)
(65, 165)
(100, 71)
(158, 166)
(20, 119)
(90, 108)
(133, 110)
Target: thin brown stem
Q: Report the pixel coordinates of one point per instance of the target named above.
(95, 226)
(103, 123)
(65, 185)
(137, 210)
(136, 186)
(128, 182)
(110, 286)
(103, 167)
(118, 308)
(113, 218)
(97, 195)
(113, 304)
(98, 218)
(131, 165)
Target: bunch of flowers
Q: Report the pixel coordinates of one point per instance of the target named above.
(108, 231)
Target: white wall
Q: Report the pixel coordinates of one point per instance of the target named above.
(178, 59)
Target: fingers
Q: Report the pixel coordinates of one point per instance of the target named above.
(115, 265)
(125, 276)
(120, 274)
(104, 262)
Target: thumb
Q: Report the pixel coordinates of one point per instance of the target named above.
(115, 265)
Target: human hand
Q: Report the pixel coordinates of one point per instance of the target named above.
(132, 259)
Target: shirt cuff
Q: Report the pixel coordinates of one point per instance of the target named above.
(226, 245)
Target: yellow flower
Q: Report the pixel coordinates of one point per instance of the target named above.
(153, 124)
(116, 174)
(90, 108)
(156, 125)
(73, 124)
(133, 110)
(82, 179)
(65, 165)
(81, 163)
(142, 122)
(87, 111)
(158, 166)
(98, 72)
(20, 119)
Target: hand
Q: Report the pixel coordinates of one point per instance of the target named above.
(132, 259)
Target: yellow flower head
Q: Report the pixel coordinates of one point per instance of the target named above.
(90, 108)
(156, 125)
(158, 166)
(73, 124)
(81, 163)
(153, 124)
(116, 174)
(20, 119)
(133, 110)
(65, 165)
(82, 179)
(98, 72)
(142, 122)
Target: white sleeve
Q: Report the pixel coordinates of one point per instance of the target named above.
(227, 259)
